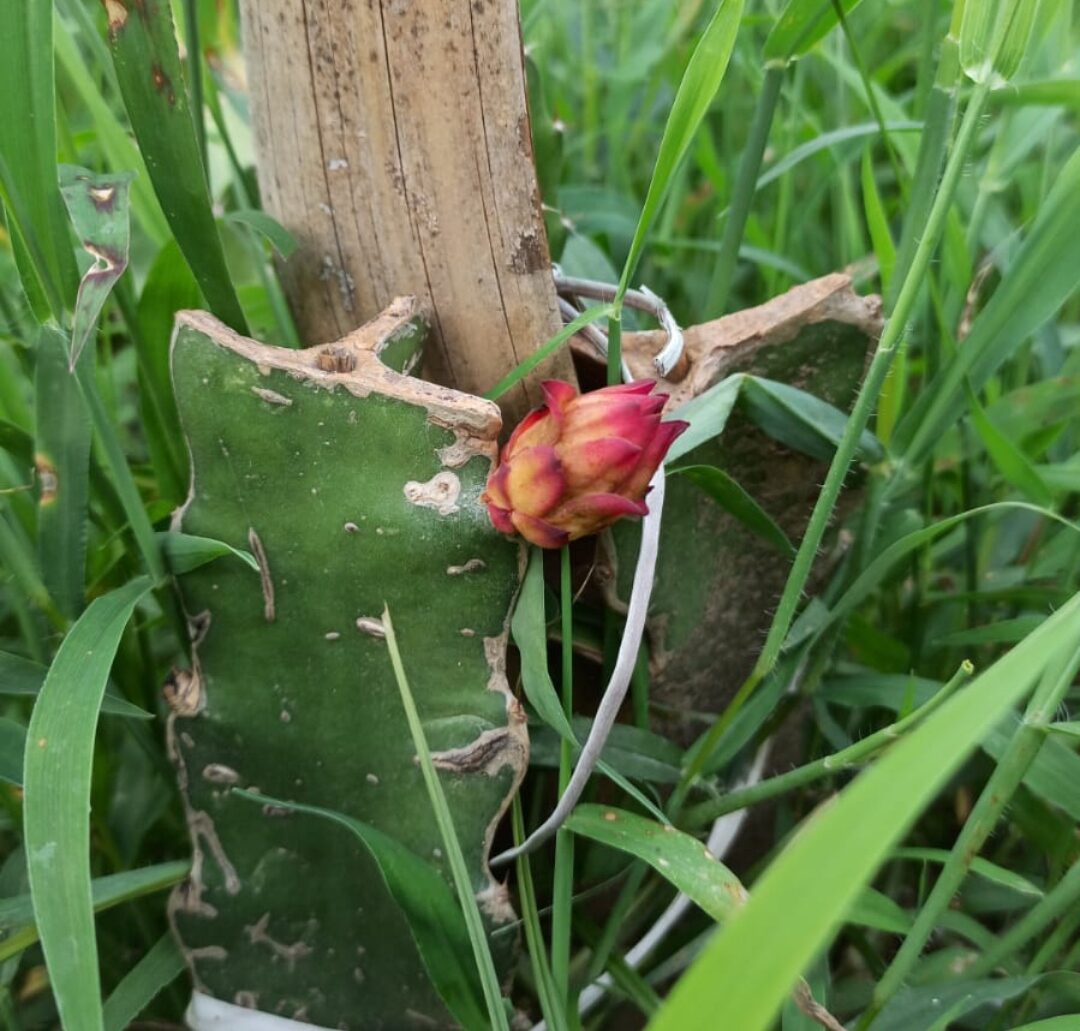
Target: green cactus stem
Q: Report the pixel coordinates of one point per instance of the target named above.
(355, 487)
(712, 601)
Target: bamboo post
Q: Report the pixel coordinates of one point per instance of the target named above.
(393, 140)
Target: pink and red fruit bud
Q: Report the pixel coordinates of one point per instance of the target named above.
(579, 462)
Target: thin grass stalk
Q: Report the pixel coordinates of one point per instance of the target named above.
(550, 1003)
(1055, 942)
(20, 225)
(933, 148)
(892, 340)
(604, 944)
(871, 96)
(17, 557)
(1013, 765)
(194, 78)
(614, 344)
(485, 965)
(845, 759)
(781, 244)
(139, 522)
(562, 896)
(924, 78)
(548, 348)
(1061, 901)
(742, 194)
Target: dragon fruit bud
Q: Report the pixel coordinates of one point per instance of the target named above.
(579, 462)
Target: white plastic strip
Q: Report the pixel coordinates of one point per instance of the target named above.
(205, 1013)
(615, 692)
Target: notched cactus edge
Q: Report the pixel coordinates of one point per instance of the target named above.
(353, 485)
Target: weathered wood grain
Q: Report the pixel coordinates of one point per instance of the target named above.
(394, 143)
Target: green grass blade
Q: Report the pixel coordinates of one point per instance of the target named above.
(162, 965)
(59, 760)
(117, 464)
(1059, 901)
(801, 25)
(143, 43)
(877, 222)
(268, 228)
(699, 84)
(731, 497)
(550, 1005)
(1023, 747)
(434, 917)
(981, 867)
(742, 978)
(62, 458)
(22, 678)
(529, 630)
(1037, 283)
(12, 748)
(677, 857)
(28, 135)
(875, 572)
(112, 137)
(1065, 1023)
(18, 931)
(184, 552)
(546, 350)
(802, 421)
(1009, 460)
(848, 134)
(17, 559)
(744, 190)
(456, 860)
(707, 414)
(169, 288)
(43, 294)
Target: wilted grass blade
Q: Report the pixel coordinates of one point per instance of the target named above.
(98, 206)
(59, 760)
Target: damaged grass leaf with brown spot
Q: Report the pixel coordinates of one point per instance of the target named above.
(98, 206)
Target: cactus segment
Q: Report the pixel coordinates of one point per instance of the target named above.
(354, 487)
